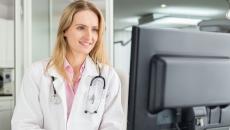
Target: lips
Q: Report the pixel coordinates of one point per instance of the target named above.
(85, 43)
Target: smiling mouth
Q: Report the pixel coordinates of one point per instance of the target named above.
(85, 43)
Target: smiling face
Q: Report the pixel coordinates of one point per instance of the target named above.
(82, 35)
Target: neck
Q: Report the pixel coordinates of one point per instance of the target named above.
(75, 60)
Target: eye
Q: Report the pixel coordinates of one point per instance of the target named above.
(80, 28)
(95, 30)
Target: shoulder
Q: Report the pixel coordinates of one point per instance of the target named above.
(38, 66)
(107, 71)
(36, 69)
(110, 73)
(112, 81)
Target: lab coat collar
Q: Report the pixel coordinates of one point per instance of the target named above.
(59, 83)
(90, 69)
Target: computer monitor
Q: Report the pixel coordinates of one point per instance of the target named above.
(179, 79)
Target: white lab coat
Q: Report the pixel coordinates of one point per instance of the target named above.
(34, 111)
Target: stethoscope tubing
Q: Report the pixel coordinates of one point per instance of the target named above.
(54, 90)
(91, 84)
(54, 95)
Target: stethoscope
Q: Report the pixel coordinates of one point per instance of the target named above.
(54, 98)
(94, 95)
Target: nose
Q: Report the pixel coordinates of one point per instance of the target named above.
(88, 34)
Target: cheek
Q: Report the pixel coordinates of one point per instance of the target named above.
(95, 38)
(72, 38)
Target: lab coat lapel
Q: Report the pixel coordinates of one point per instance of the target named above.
(59, 85)
(78, 106)
(88, 73)
(90, 67)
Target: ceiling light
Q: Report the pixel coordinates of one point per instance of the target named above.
(175, 20)
(163, 5)
(186, 11)
(172, 22)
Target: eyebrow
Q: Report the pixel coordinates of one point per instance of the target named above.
(84, 25)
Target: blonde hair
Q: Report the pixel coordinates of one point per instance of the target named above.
(60, 50)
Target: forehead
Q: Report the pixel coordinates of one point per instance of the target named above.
(86, 17)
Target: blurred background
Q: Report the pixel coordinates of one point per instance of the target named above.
(28, 30)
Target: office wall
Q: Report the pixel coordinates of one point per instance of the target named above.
(40, 29)
(122, 54)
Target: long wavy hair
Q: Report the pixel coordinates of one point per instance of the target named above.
(97, 53)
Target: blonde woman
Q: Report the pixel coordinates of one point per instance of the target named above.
(75, 89)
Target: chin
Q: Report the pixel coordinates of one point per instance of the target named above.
(86, 52)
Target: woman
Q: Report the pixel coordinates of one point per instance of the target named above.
(75, 89)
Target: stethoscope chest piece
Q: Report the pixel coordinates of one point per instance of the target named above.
(55, 99)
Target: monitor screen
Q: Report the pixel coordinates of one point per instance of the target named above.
(177, 77)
